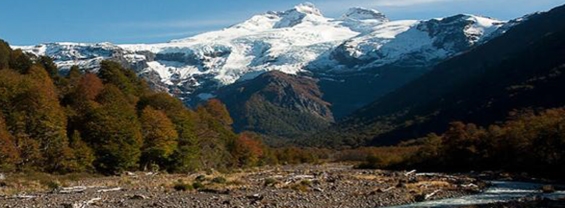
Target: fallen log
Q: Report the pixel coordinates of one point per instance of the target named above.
(432, 194)
(74, 189)
(109, 190)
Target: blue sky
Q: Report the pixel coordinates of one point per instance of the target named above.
(28, 22)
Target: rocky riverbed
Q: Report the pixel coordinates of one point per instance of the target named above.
(329, 185)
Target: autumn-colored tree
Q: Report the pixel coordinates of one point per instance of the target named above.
(215, 139)
(114, 132)
(248, 150)
(295, 155)
(219, 112)
(160, 137)
(461, 142)
(35, 117)
(9, 153)
(46, 119)
(186, 155)
(39, 110)
(537, 140)
(89, 86)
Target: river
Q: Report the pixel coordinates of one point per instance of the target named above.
(500, 191)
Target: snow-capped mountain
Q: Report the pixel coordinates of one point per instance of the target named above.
(297, 40)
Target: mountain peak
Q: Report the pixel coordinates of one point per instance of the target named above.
(360, 13)
(307, 8)
(305, 12)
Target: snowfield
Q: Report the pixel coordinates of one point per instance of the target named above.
(296, 40)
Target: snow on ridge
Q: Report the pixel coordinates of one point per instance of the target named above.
(360, 13)
(290, 41)
(308, 8)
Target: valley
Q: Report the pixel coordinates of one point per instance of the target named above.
(292, 108)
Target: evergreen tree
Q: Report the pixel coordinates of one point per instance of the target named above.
(20, 61)
(74, 73)
(47, 63)
(128, 82)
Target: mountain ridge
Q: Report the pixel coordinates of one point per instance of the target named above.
(521, 69)
(237, 52)
(356, 58)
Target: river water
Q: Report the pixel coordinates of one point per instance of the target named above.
(500, 191)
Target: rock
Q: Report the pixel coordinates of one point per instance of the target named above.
(139, 197)
(548, 189)
(2, 176)
(401, 184)
(255, 197)
(420, 197)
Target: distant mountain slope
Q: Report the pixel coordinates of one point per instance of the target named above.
(524, 68)
(297, 40)
(357, 57)
(277, 104)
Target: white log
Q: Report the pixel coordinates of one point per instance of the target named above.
(432, 194)
(74, 189)
(109, 190)
(23, 196)
(410, 173)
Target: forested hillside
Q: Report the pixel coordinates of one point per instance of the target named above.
(109, 122)
(277, 104)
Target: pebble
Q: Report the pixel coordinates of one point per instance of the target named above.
(333, 185)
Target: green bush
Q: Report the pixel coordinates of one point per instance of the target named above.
(198, 185)
(270, 181)
(371, 162)
(219, 180)
(200, 178)
(183, 187)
